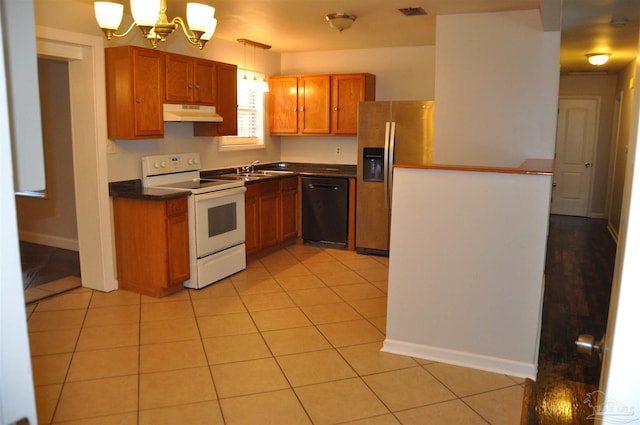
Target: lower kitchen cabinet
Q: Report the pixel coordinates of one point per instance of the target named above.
(271, 214)
(289, 193)
(152, 245)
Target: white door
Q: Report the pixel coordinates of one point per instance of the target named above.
(575, 141)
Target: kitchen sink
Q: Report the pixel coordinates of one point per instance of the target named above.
(254, 175)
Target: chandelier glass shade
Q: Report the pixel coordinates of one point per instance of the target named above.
(151, 18)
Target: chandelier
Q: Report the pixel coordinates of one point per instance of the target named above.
(151, 18)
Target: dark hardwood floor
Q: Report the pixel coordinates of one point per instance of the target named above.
(579, 270)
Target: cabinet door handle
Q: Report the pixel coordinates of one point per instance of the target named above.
(198, 86)
(301, 109)
(190, 86)
(138, 99)
(335, 109)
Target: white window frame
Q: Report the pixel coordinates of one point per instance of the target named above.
(239, 142)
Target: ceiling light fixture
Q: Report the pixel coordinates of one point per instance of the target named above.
(340, 21)
(151, 18)
(598, 59)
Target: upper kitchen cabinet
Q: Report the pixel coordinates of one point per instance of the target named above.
(318, 104)
(283, 105)
(190, 80)
(346, 91)
(134, 85)
(314, 99)
(300, 105)
(226, 104)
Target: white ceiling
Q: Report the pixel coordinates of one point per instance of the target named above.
(299, 25)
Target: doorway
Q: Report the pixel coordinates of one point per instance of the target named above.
(85, 57)
(47, 224)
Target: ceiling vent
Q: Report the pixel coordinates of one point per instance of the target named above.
(412, 11)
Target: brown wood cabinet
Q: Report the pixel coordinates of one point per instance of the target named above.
(318, 104)
(347, 90)
(226, 104)
(139, 81)
(134, 85)
(289, 193)
(271, 214)
(152, 245)
(300, 104)
(283, 105)
(190, 80)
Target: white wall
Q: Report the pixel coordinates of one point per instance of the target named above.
(404, 73)
(496, 89)
(17, 397)
(465, 274)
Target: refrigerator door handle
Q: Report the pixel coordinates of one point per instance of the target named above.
(390, 155)
(387, 129)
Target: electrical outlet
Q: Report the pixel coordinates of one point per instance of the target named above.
(338, 150)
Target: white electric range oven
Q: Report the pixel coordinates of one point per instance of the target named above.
(216, 215)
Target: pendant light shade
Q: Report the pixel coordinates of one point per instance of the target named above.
(145, 12)
(209, 32)
(199, 16)
(108, 14)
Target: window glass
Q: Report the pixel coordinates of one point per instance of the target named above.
(250, 113)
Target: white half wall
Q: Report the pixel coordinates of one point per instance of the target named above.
(466, 268)
(497, 77)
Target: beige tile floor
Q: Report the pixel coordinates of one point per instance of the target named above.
(294, 339)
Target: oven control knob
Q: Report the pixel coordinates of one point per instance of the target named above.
(190, 162)
(195, 161)
(156, 165)
(163, 164)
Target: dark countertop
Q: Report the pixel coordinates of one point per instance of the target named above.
(134, 189)
(298, 168)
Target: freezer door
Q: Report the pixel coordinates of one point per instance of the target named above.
(372, 214)
(413, 132)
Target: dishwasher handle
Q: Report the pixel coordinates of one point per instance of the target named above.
(322, 186)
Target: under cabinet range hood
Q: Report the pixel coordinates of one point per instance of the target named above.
(190, 113)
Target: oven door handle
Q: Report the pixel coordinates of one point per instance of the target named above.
(220, 193)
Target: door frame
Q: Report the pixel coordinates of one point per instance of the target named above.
(85, 56)
(613, 162)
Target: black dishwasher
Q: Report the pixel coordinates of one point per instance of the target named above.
(325, 208)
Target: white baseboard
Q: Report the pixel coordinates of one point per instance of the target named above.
(459, 358)
(49, 240)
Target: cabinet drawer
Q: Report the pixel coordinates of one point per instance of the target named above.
(270, 187)
(289, 184)
(177, 206)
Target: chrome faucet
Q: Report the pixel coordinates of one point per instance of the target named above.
(251, 167)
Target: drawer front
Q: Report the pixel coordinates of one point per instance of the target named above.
(176, 206)
(289, 184)
(269, 187)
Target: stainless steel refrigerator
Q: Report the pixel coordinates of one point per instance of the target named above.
(390, 132)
